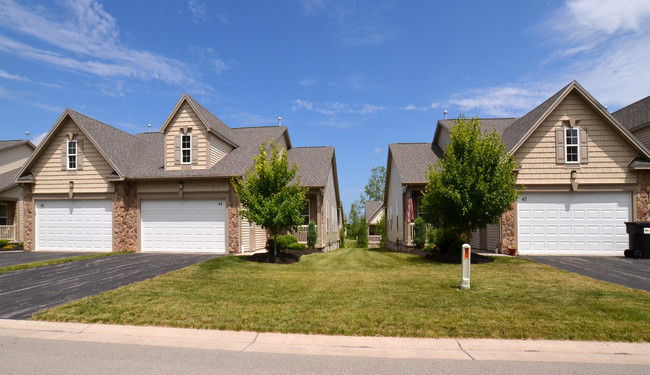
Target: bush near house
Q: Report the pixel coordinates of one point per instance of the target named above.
(297, 246)
(312, 235)
(4, 243)
(419, 232)
(283, 242)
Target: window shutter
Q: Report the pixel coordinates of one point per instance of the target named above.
(177, 150)
(195, 150)
(584, 147)
(64, 155)
(80, 154)
(559, 146)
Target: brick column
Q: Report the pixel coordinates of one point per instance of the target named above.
(642, 196)
(125, 217)
(508, 228)
(233, 221)
(28, 206)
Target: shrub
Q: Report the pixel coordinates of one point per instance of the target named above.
(312, 236)
(430, 248)
(431, 235)
(290, 238)
(4, 243)
(419, 232)
(342, 236)
(297, 246)
(448, 241)
(10, 247)
(362, 235)
(380, 228)
(283, 242)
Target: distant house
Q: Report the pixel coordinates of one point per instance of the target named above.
(636, 118)
(585, 175)
(13, 155)
(374, 212)
(91, 187)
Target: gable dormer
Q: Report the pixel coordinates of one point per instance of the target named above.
(194, 137)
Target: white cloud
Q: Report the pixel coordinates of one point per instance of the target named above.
(504, 101)
(197, 8)
(337, 108)
(5, 75)
(83, 37)
(220, 66)
(302, 104)
(39, 138)
(378, 150)
(308, 81)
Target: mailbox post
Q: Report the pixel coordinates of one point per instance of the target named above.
(465, 262)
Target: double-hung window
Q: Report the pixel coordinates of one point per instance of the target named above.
(186, 149)
(571, 145)
(72, 154)
(3, 214)
(305, 213)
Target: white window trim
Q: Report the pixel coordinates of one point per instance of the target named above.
(189, 149)
(308, 212)
(567, 145)
(75, 154)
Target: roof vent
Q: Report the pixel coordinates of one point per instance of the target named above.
(445, 114)
(27, 135)
(149, 126)
(279, 121)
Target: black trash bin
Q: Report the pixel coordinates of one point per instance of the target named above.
(639, 240)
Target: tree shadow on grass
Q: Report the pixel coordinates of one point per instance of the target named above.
(285, 257)
(449, 257)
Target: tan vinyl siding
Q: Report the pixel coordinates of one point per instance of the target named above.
(485, 239)
(50, 179)
(186, 117)
(330, 212)
(218, 149)
(609, 154)
(189, 186)
(394, 206)
(444, 138)
(260, 237)
(14, 157)
(245, 234)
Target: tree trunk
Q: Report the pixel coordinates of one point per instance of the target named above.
(275, 245)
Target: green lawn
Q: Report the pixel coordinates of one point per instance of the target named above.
(376, 293)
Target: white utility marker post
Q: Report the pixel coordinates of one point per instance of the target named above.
(466, 261)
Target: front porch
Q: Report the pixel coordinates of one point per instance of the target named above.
(8, 221)
(8, 232)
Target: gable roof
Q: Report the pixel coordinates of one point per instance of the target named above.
(7, 179)
(211, 122)
(634, 116)
(314, 167)
(412, 161)
(517, 133)
(372, 207)
(7, 144)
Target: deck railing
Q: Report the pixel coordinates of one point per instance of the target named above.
(8, 232)
(301, 234)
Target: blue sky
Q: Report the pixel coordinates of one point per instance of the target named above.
(356, 75)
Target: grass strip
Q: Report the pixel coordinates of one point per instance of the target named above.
(51, 262)
(375, 293)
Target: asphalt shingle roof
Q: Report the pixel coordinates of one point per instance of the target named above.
(635, 115)
(413, 160)
(372, 207)
(314, 164)
(214, 123)
(500, 124)
(7, 179)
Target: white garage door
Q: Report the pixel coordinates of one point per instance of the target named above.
(184, 225)
(74, 225)
(573, 223)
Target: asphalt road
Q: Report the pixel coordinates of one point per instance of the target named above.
(26, 292)
(35, 356)
(632, 273)
(10, 258)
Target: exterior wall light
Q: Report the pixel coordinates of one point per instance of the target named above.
(574, 175)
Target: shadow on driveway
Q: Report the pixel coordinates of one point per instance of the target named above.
(26, 292)
(632, 273)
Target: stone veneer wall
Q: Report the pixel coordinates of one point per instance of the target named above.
(508, 228)
(28, 207)
(643, 196)
(125, 217)
(233, 221)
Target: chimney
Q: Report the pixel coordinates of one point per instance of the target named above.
(279, 121)
(27, 135)
(445, 114)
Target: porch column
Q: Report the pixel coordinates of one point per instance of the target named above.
(319, 217)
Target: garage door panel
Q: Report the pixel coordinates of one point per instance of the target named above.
(183, 225)
(71, 225)
(573, 223)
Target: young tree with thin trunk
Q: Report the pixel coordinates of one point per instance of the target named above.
(266, 192)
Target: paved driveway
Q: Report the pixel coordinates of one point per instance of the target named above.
(633, 273)
(26, 292)
(9, 258)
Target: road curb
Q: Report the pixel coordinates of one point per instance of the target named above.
(354, 346)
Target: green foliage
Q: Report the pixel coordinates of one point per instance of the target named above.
(312, 235)
(431, 235)
(380, 228)
(474, 183)
(419, 232)
(374, 190)
(4, 243)
(266, 193)
(430, 248)
(362, 235)
(342, 236)
(355, 217)
(281, 243)
(297, 246)
(447, 240)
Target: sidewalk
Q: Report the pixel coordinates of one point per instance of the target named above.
(378, 347)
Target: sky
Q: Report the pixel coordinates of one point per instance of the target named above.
(356, 75)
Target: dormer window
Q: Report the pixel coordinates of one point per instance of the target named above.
(72, 154)
(571, 145)
(186, 149)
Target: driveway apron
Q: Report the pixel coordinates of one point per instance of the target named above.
(632, 273)
(10, 258)
(26, 292)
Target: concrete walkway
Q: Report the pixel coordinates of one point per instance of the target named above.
(376, 347)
